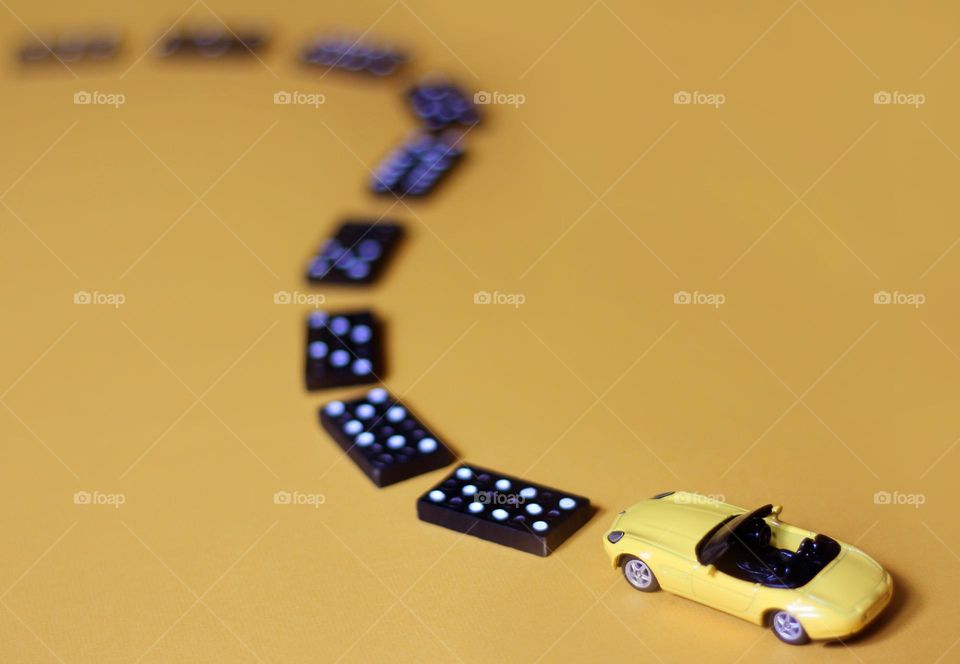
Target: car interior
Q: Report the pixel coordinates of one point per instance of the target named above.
(750, 556)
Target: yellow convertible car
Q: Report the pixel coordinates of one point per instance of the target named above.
(749, 564)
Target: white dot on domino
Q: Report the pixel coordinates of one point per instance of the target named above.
(369, 250)
(358, 270)
(567, 503)
(396, 413)
(377, 395)
(361, 334)
(362, 366)
(339, 326)
(437, 496)
(364, 439)
(528, 492)
(503, 484)
(365, 411)
(317, 319)
(499, 514)
(396, 441)
(340, 358)
(335, 408)
(464, 473)
(539, 526)
(475, 507)
(534, 509)
(427, 445)
(353, 427)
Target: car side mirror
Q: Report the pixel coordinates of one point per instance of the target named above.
(775, 511)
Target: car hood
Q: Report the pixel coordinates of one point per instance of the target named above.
(676, 522)
(850, 581)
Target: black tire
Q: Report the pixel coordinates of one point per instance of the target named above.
(788, 629)
(639, 575)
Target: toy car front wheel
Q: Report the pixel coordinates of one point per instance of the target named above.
(788, 629)
(639, 575)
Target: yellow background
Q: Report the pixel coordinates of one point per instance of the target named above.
(597, 199)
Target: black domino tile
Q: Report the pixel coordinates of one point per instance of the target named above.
(69, 48)
(356, 254)
(387, 441)
(351, 55)
(343, 349)
(212, 42)
(440, 105)
(418, 165)
(504, 509)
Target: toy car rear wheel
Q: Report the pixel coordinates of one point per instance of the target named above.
(788, 629)
(639, 575)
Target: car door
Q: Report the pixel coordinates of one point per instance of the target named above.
(722, 591)
(673, 572)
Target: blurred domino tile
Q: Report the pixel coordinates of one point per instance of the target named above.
(388, 442)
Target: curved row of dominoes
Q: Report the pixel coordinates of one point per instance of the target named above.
(376, 430)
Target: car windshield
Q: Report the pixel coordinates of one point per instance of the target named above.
(719, 539)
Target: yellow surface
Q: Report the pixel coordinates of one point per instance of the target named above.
(598, 199)
(664, 533)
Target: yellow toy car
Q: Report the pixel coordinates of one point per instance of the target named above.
(749, 564)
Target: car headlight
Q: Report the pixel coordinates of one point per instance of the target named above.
(614, 536)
